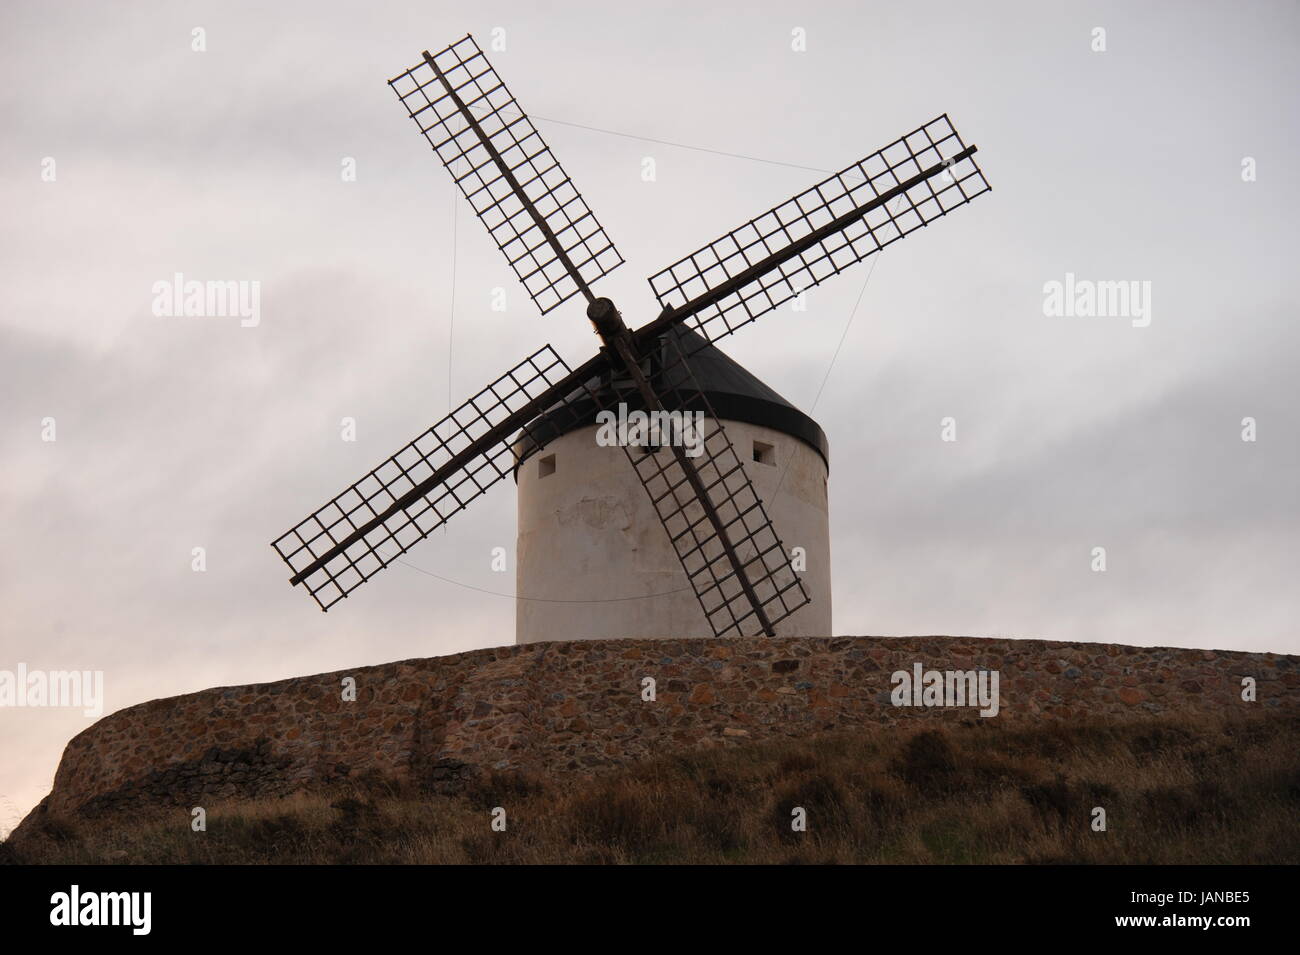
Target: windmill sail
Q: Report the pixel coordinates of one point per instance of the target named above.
(718, 526)
(518, 189)
(362, 530)
(820, 232)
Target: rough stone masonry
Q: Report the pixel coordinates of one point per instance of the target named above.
(578, 707)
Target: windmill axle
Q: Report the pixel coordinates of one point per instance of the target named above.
(608, 322)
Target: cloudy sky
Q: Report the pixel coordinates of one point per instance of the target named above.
(1072, 433)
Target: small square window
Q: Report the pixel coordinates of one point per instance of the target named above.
(546, 466)
(764, 453)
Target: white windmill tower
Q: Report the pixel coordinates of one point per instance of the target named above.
(592, 560)
(590, 557)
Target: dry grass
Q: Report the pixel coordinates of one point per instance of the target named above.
(1206, 792)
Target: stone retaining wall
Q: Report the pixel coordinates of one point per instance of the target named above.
(565, 707)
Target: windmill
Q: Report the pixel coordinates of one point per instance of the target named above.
(719, 529)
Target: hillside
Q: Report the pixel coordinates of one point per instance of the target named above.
(1210, 790)
(551, 716)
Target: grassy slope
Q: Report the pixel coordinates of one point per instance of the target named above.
(1211, 791)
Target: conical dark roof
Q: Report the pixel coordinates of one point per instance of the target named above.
(734, 393)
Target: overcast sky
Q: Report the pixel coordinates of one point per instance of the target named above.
(1072, 433)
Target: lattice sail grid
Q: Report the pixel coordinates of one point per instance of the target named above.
(499, 160)
(763, 558)
(362, 530)
(765, 238)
